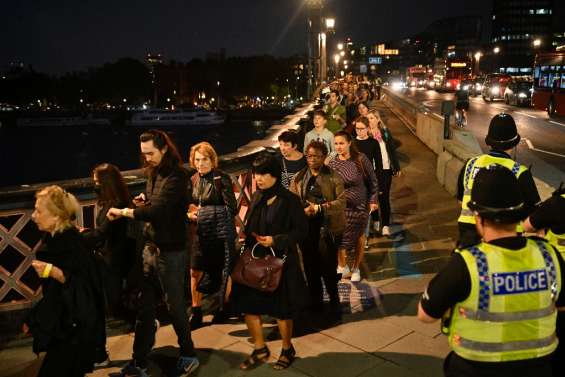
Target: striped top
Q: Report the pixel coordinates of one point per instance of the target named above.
(359, 191)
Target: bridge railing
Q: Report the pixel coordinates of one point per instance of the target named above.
(20, 238)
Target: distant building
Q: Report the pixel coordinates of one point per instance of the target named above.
(516, 24)
(462, 34)
(170, 81)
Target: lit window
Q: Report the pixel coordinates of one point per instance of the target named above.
(532, 11)
(542, 11)
(494, 16)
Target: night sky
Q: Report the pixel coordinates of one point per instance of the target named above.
(63, 35)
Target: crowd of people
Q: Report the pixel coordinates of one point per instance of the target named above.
(305, 229)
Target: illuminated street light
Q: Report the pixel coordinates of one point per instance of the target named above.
(537, 42)
(340, 46)
(336, 58)
(330, 24)
(478, 55)
(496, 50)
(342, 53)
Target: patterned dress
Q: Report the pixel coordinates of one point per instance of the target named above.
(360, 189)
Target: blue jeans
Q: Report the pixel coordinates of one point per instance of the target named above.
(168, 282)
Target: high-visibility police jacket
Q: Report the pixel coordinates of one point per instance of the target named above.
(557, 240)
(471, 169)
(510, 313)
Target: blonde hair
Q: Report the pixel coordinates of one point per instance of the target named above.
(61, 204)
(207, 150)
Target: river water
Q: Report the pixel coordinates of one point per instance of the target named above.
(41, 154)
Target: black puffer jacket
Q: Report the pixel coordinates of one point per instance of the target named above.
(203, 190)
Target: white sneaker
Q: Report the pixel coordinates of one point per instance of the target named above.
(344, 271)
(356, 275)
(386, 230)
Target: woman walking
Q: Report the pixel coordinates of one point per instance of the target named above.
(68, 321)
(275, 223)
(361, 195)
(212, 207)
(386, 166)
(110, 238)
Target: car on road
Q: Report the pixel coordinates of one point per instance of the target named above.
(473, 86)
(519, 93)
(494, 86)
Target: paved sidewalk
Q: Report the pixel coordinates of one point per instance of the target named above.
(379, 336)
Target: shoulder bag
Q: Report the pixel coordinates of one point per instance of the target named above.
(263, 274)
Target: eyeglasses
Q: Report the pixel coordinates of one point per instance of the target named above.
(314, 156)
(360, 128)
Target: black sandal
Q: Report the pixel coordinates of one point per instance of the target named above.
(289, 354)
(256, 358)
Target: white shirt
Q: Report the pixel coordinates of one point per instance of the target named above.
(384, 155)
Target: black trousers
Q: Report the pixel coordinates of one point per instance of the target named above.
(168, 282)
(320, 262)
(384, 179)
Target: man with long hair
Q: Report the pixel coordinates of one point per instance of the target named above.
(163, 209)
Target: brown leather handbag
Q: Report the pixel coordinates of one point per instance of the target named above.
(263, 274)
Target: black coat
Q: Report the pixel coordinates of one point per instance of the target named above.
(71, 313)
(112, 240)
(165, 211)
(289, 226)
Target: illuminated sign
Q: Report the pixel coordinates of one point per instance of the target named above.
(381, 50)
(458, 65)
(375, 60)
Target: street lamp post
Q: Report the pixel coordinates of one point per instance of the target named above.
(496, 51)
(478, 55)
(314, 8)
(323, 38)
(336, 61)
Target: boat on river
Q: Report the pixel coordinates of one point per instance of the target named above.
(189, 118)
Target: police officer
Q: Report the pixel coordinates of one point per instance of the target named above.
(502, 137)
(550, 217)
(498, 298)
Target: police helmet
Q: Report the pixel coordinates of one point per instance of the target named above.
(502, 132)
(496, 195)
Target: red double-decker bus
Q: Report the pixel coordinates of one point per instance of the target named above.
(416, 76)
(549, 83)
(456, 70)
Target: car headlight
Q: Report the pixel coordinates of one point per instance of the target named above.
(479, 87)
(448, 84)
(522, 95)
(494, 89)
(466, 87)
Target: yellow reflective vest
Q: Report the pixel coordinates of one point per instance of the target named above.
(557, 240)
(471, 169)
(510, 313)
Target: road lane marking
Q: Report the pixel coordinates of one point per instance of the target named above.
(559, 124)
(525, 114)
(531, 146)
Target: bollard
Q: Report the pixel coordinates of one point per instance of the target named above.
(446, 111)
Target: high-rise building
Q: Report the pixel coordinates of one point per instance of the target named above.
(517, 24)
